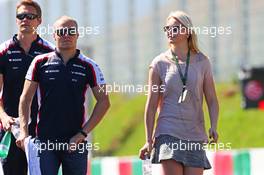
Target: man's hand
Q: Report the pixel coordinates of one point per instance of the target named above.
(7, 122)
(20, 140)
(75, 140)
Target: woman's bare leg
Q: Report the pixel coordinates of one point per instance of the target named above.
(192, 171)
(171, 167)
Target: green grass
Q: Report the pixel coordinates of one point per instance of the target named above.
(124, 110)
(241, 128)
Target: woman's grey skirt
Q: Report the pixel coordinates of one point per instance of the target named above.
(188, 153)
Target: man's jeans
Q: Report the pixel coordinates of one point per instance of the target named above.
(73, 163)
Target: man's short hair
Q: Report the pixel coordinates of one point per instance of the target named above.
(64, 19)
(30, 3)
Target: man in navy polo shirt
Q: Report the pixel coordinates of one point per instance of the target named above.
(62, 79)
(16, 55)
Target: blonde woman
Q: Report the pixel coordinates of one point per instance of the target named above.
(186, 76)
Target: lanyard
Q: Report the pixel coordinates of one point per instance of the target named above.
(183, 77)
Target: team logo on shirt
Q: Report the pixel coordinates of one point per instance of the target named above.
(13, 51)
(52, 71)
(78, 73)
(79, 66)
(38, 53)
(51, 63)
(15, 59)
(101, 77)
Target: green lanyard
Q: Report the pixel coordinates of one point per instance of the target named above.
(183, 77)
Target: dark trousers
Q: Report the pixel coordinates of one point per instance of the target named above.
(16, 162)
(73, 163)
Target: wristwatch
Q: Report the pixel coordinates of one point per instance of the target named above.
(83, 133)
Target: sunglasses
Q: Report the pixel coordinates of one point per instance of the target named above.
(174, 29)
(29, 16)
(66, 31)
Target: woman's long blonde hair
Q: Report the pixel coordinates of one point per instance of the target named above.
(185, 20)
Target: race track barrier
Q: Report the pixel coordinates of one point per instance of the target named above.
(235, 162)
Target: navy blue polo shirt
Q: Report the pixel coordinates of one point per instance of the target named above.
(14, 63)
(62, 93)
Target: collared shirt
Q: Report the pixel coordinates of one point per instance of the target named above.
(182, 120)
(14, 63)
(62, 93)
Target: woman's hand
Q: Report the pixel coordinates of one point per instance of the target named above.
(213, 135)
(145, 150)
